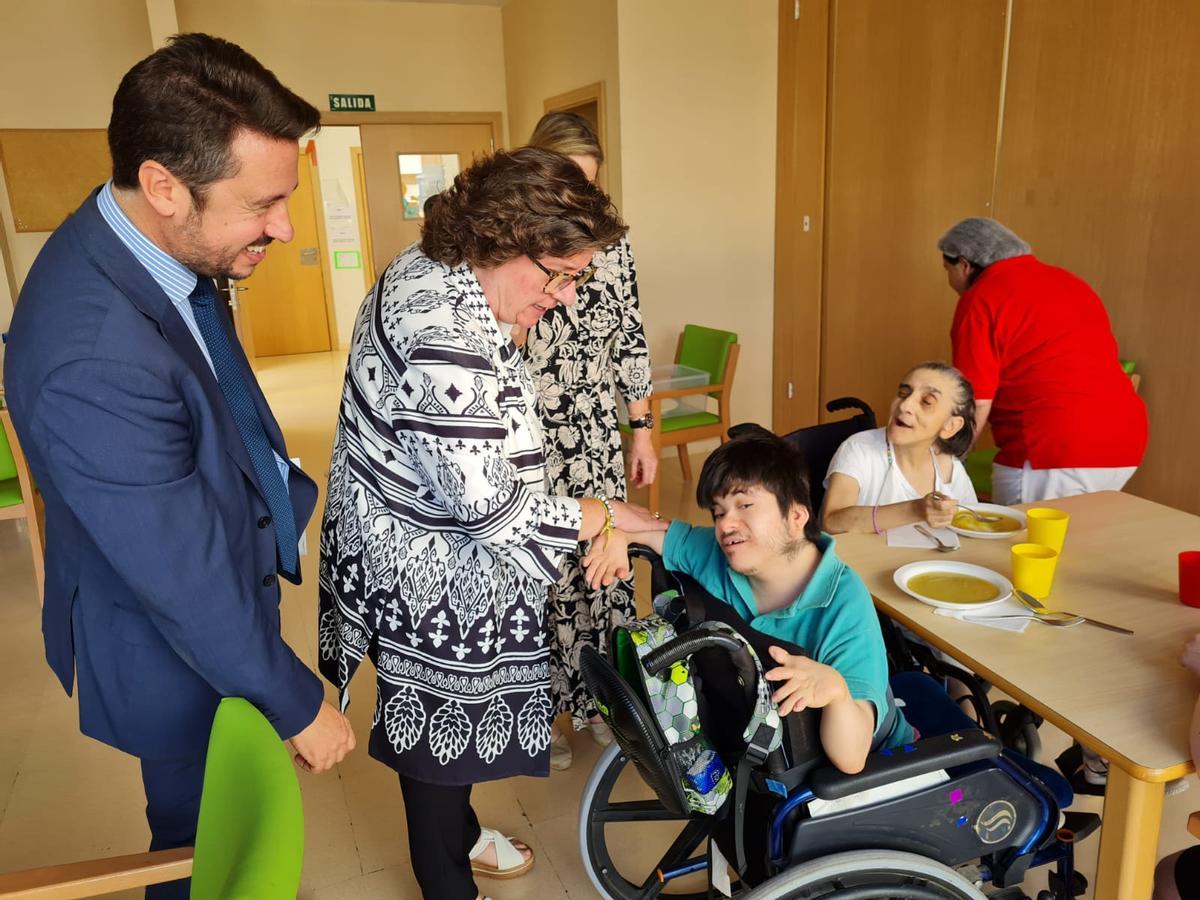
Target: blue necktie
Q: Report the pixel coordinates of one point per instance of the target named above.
(249, 425)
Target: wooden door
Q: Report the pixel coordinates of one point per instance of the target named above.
(914, 106)
(285, 300)
(403, 165)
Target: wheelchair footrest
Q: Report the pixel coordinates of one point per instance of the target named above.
(1081, 824)
(1079, 885)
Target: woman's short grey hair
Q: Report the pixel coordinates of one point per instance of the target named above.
(981, 242)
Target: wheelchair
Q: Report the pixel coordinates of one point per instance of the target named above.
(942, 818)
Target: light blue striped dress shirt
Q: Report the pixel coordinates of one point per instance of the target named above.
(176, 280)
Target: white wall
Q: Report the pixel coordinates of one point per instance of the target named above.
(337, 185)
(698, 90)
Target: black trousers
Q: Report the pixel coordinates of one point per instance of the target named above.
(172, 809)
(442, 829)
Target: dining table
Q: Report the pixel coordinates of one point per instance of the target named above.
(1127, 697)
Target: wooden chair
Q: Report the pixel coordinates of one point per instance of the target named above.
(249, 840)
(17, 497)
(712, 351)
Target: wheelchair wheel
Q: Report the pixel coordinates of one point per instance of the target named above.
(868, 875)
(621, 823)
(1018, 730)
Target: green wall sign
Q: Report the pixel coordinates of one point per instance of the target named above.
(352, 103)
(347, 259)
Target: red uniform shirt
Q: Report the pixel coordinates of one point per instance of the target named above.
(1036, 341)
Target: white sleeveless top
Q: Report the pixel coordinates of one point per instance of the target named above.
(866, 457)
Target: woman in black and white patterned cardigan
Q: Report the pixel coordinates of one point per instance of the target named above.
(439, 541)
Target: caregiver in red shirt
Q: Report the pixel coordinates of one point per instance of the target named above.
(1036, 344)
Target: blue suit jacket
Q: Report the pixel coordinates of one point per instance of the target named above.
(161, 565)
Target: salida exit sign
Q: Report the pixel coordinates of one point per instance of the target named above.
(352, 103)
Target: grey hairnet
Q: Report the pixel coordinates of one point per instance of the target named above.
(982, 242)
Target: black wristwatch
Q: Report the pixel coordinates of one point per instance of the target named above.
(646, 421)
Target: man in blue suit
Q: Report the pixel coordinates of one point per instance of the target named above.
(171, 509)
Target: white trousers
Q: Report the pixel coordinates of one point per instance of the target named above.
(1028, 485)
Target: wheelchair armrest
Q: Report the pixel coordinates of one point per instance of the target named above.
(641, 551)
(886, 766)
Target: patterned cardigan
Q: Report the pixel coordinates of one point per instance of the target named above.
(439, 540)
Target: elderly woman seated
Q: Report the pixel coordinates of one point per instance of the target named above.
(439, 541)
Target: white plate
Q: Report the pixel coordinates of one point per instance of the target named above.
(904, 573)
(997, 510)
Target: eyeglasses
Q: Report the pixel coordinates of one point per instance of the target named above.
(556, 281)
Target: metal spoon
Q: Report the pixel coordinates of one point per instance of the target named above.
(1040, 609)
(944, 548)
(1062, 620)
(979, 516)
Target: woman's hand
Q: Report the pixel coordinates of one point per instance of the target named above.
(1191, 654)
(634, 519)
(806, 682)
(937, 509)
(643, 461)
(607, 560)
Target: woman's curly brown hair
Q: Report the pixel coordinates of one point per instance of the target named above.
(517, 203)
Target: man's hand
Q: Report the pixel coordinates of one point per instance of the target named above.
(325, 742)
(806, 683)
(607, 560)
(643, 461)
(937, 509)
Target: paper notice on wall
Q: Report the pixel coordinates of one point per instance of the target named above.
(340, 224)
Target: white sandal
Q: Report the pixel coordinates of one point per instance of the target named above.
(510, 862)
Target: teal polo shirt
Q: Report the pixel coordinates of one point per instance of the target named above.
(833, 619)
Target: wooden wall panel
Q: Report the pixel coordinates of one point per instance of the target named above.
(1099, 169)
(50, 171)
(799, 212)
(913, 109)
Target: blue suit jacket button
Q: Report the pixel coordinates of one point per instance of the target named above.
(268, 581)
(264, 521)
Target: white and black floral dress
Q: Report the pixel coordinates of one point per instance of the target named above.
(439, 540)
(579, 357)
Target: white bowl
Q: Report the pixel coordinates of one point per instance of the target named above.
(903, 574)
(996, 510)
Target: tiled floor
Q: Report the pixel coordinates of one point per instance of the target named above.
(64, 797)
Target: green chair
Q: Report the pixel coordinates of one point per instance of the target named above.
(712, 351)
(249, 840)
(17, 497)
(979, 462)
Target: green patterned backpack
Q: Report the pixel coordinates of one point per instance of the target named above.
(650, 655)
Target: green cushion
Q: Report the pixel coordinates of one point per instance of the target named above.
(250, 837)
(8, 466)
(692, 420)
(10, 493)
(979, 469)
(706, 349)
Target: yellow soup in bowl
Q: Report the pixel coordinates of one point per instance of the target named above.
(968, 522)
(952, 588)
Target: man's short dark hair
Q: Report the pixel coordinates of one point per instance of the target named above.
(183, 105)
(758, 459)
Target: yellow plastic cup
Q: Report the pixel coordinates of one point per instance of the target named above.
(1033, 568)
(1047, 527)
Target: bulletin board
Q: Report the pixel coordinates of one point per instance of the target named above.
(50, 171)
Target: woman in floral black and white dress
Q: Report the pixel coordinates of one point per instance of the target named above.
(580, 357)
(439, 541)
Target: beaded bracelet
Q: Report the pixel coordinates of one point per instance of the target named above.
(875, 518)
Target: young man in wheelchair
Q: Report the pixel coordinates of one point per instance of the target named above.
(766, 559)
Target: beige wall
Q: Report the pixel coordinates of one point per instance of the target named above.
(411, 56)
(101, 39)
(698, 87)
(555, 46)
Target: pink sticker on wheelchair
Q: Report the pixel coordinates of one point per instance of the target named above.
(956, 796)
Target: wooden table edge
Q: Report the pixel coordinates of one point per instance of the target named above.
(1135, 770)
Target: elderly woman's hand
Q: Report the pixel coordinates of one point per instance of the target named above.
(607, 560)
(635, 519)
(1191, 654)
(643, 461)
